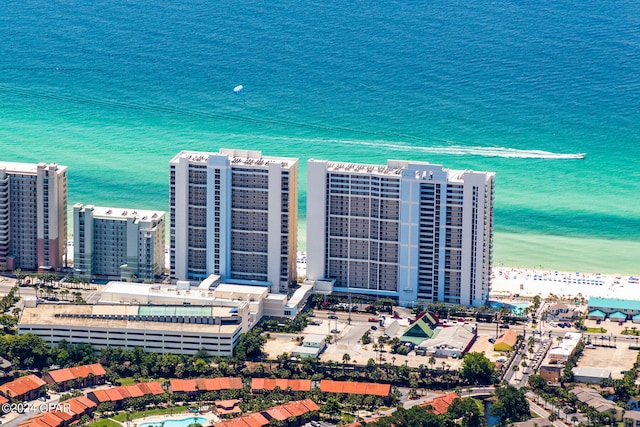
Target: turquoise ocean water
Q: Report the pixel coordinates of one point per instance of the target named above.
(114, 89)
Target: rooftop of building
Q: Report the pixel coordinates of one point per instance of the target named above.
(396, 168)
(591, 372)
(70, 374)
(253, 158)
(350, 387)
(614, 303)
(205, 384)
(299, 295)
(453, 337)
(283, 384)
(113, 316)
(21, 385)
(115, 394)
(121, 213)
(508, 337)
(240, 292)
(365, 169)
(315, 339)
(27, 168)
(440, 404)
(115, 292)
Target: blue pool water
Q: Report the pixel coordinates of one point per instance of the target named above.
(516, 308)
(177, 423)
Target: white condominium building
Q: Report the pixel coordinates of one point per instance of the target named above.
(409, 230)
(235, 214)
(33, 216)
(118, 243)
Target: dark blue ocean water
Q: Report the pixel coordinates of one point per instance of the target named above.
(114, 89)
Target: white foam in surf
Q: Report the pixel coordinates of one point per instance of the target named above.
(458, 150)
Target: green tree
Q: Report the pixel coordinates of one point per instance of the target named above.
(331, 407)
(250, 345)
(467, 411)
(537, 382)
(511, 404)
(8, 322)
(477, 368)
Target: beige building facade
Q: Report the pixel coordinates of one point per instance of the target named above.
(118, 243)
(235, 214)
(407, 230)
(33, 216)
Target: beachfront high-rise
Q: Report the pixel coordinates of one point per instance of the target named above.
(33, 216)
(118, 243)
(235, 214)
(408, 230)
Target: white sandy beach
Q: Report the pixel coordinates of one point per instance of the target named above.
(507, 282)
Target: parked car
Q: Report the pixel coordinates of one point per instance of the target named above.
(333, 317)
(373, 319)
(374, 327)
(504, 326)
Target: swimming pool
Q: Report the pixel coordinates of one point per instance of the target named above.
(177, 423)
(516, 308)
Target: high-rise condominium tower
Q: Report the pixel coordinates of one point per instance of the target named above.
(234, 213)
(33, 216)
(118, 243)
(408, 230)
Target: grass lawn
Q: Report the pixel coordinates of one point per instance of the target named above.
(104, 423)
(131, 381)
(126, 381)
(122, 416)
(347, 417)
(597, 330)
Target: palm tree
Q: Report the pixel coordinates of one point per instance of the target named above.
(346, 358)
(432, 361)
(515, 369)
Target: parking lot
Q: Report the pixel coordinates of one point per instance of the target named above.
(618, 360)
(345, 339)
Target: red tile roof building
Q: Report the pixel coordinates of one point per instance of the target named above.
(227, 407)
(24, 388)
(440, 404)
(205, 384)
(362, 423)
(259, 384)
(116, 395)
(68, 412)
(348, 387)
(298, 410)
(82, 376)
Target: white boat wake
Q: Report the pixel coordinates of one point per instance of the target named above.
(460, 150)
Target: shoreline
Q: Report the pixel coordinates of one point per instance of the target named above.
(509, 282)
